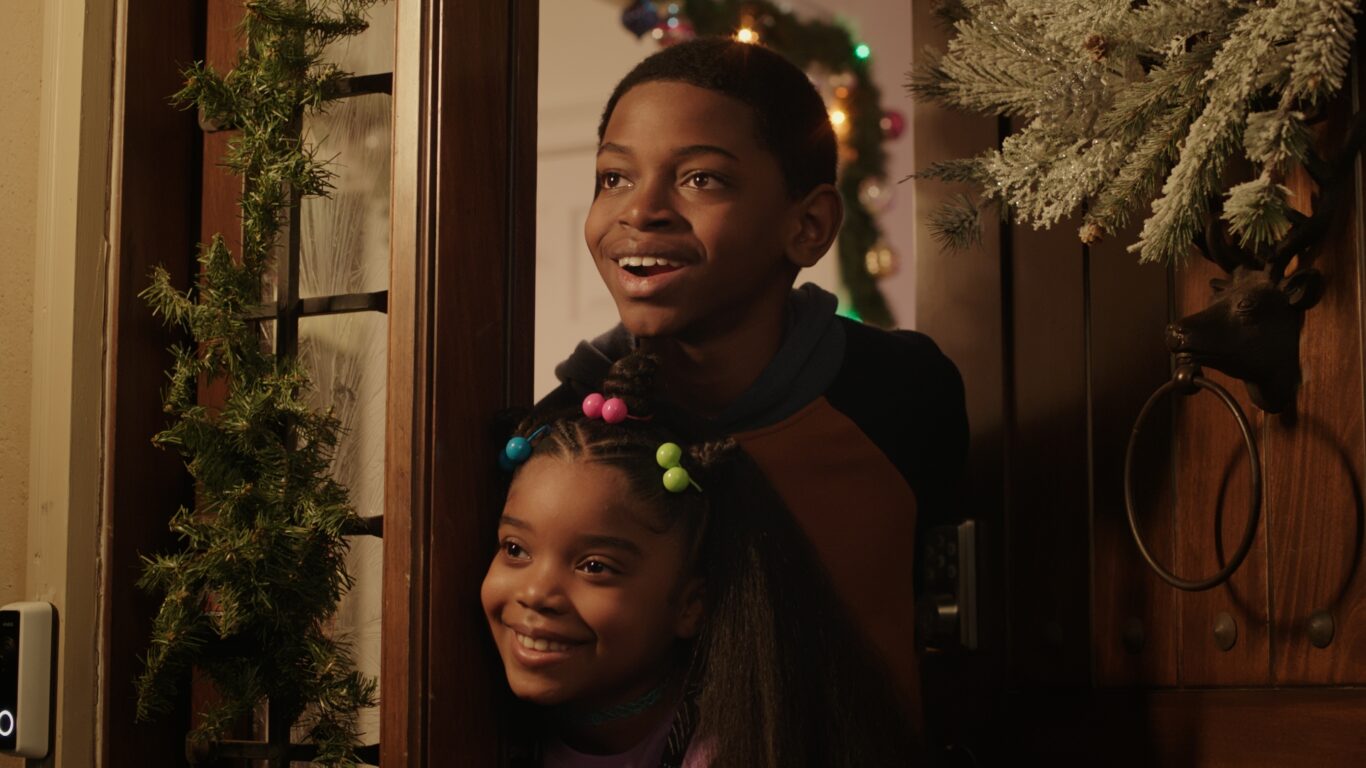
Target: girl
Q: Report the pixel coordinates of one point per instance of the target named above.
(656, 606)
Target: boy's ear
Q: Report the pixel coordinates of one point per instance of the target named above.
(691, 608)
(816, 221)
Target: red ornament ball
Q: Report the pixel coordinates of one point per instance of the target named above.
(893, 123)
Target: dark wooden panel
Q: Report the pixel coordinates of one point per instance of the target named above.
(1048, 507)
(1212, 477)
(1314, 489)
(158, 224)
(1187, 729)
(460, 312)
(1129, 310)
(959, 302)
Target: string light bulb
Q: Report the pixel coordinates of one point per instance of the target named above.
(747, 35)
(840, 120)
(863, 51)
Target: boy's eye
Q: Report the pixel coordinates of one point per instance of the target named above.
(514, 550)
(610, 180)
(701, 180)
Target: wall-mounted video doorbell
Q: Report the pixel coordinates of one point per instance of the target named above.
(25, 678)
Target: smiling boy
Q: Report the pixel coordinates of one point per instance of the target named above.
(714, 188)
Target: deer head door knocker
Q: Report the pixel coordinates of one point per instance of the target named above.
(1250, 331)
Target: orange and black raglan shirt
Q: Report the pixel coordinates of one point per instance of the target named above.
(863, 433)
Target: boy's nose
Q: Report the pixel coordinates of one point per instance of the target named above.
(650, 208)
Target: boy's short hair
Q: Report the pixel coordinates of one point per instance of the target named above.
(789, 114)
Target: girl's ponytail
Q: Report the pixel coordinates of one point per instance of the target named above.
(632, 378)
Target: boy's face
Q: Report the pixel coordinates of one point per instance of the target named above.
(690, 222)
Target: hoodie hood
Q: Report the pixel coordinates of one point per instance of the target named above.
(805, 365)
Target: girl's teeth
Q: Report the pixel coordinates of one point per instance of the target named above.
(540, 644)
(647, 261)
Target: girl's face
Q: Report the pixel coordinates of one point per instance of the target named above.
(584, 599)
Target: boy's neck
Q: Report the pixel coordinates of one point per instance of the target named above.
(705, 375)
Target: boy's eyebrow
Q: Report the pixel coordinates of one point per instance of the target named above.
(608, 146)
(688, 151)
(705, 149)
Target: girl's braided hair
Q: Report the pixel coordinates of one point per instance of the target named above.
(781, 677)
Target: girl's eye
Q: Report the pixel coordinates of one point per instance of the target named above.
(610, 180)
(514, 550)
(596, 568)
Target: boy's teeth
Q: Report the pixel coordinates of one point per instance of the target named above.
(540, 644)
(648, 261)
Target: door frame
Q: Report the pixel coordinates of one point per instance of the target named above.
(461, 308)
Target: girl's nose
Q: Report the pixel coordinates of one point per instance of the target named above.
(540, 590)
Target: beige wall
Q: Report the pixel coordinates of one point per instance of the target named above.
(21, 38)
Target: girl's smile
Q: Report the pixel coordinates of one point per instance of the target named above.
(585, 600)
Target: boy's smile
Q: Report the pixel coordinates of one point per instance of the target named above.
(691, 218)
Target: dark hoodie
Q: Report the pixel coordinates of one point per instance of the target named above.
(862, 432)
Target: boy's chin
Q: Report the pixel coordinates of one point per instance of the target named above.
(652, 324)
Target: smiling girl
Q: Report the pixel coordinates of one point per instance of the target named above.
(655, 605)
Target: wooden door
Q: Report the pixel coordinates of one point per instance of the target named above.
(1087, 657)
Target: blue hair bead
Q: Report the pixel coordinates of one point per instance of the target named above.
(518, 449)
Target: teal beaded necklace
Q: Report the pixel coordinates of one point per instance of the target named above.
(624, 710)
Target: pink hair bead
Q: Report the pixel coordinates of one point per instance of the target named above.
(614, 411)
(592, 406)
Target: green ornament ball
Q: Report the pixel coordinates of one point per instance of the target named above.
(676, 480)
(669, 455)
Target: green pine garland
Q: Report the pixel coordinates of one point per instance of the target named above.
(1129, 104)
(249, 597)
(814, 42)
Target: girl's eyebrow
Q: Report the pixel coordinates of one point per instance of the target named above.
(610, 542)
(587, 540)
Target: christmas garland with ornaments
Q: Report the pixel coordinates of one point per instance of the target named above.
(839, 67)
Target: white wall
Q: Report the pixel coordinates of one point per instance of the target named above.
(584, 52)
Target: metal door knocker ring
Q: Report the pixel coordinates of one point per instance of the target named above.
(1186, 381)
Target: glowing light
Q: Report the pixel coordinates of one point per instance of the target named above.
(863, 51)
(673, 22)
(657, 33)
(747, 35)
(841, 92)
(838, 117)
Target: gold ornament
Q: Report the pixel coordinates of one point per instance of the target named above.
(881, 260)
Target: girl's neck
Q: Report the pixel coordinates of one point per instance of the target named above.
(616, 729)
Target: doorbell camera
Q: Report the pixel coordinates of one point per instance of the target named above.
(25, 678)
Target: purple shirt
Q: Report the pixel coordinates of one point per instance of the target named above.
(646, 754)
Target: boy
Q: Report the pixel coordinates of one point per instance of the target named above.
(715, 186)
